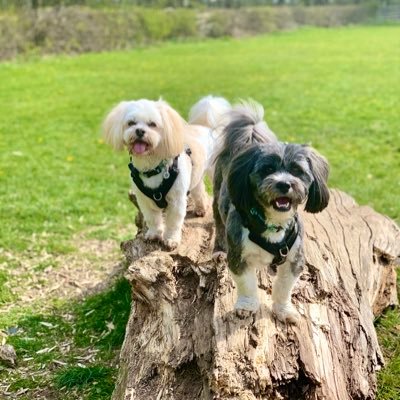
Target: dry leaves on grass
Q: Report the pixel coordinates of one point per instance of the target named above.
(35, 279)
(64, 276)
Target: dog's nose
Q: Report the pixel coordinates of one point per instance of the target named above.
(139, 132)
(283, 186)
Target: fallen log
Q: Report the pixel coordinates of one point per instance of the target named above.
(184, 342)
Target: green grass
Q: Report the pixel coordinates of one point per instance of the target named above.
(389, 334)
(95, 326)
(336, 88)
(80, 377)
(5, 294)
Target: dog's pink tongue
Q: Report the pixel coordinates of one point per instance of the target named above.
(139, 147)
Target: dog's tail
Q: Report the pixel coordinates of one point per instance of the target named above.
(246, 126)
(210, 111)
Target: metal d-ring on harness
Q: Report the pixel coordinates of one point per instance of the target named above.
(279, 250)
(158, 195)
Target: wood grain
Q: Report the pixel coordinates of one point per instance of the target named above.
(183, 340)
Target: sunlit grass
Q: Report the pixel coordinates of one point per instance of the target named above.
(337, 89)
(72, 349)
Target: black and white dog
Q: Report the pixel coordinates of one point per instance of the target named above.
(259, 183)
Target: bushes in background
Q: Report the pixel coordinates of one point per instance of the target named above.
(82, 29)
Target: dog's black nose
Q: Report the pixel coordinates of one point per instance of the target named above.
(283, 186)
(139, 132)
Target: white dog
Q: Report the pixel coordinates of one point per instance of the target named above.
(168, 158)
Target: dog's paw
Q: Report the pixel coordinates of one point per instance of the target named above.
(246, 306)
(171, 244)
(153, 236)
(219, 256)
(200, 212)
(243, 314)
(286, 313)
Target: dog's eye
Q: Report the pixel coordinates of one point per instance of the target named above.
(152, 124)
(296, 170)
(267, 170)
(131, 123)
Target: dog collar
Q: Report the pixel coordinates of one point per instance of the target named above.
(279, 250)
(267, 227)
(158, 194)
(160, 167)
(155, 171)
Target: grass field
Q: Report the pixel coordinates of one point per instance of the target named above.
(62, 189)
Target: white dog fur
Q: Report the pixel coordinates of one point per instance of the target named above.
(153, 133)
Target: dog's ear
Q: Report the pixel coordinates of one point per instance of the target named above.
(113, 126)
(173, 129)
(318, 195)
(240, 180)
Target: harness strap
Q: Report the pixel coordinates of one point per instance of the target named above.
(155, 171)
(254, 220)
(158, 194)
(279, 250)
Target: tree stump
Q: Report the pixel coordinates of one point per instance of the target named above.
(184, 341)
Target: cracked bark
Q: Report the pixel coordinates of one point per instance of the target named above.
(184, 342)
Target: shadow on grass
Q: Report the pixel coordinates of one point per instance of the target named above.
(388, 330)
(71, 352)
(98, 379)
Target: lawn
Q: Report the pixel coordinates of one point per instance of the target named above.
(62, 189)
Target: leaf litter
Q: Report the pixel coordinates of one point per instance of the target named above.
(89, 269)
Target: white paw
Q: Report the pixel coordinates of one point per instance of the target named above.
(153, 235)
(286, 313)
(171, 244)
(246, 305)
(219, 256)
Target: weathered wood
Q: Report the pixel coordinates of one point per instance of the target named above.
(183, 340)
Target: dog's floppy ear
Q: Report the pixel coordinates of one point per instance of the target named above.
(173, 128)
(318, 195)
(240, 180)
(113, 126)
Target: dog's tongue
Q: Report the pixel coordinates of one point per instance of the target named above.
(139, 147)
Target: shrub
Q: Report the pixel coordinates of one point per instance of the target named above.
(82, 29)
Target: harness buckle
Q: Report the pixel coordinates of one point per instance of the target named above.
(157, 198)
(284, 252)
(166, 175)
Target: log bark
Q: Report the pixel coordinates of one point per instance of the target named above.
(184, 342)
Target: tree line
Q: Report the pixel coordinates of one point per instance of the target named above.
(182, 3)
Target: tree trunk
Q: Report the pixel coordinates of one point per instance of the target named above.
(184, 342)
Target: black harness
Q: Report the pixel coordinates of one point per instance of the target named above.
(279, 250)
(158, 194)
(256, 224)
(155, 171)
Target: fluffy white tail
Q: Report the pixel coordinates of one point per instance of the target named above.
(209, 111)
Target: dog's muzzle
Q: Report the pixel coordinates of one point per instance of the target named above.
(282, 203)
